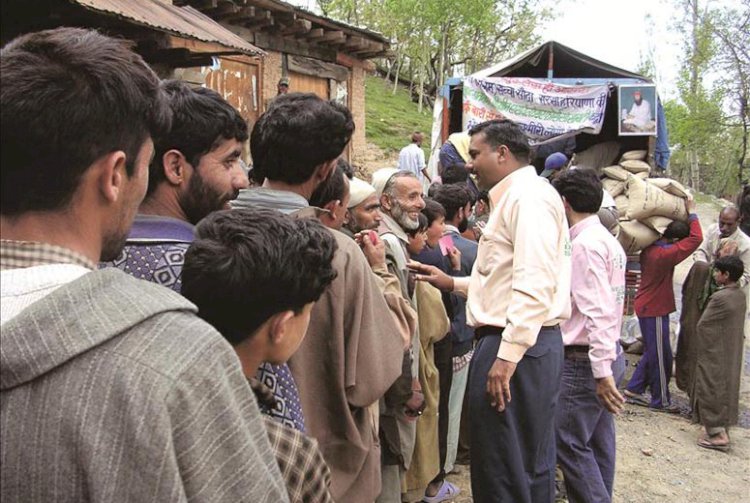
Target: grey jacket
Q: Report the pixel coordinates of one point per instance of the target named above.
(111, 389)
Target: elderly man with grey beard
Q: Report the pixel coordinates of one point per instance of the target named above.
(401, 202)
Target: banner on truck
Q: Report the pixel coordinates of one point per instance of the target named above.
(544, 110)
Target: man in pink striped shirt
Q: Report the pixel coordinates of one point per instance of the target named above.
(585, 427)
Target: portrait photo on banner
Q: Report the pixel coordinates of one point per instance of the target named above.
(637, 104)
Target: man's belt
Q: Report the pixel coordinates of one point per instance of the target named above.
(575, 352)
(486, 330)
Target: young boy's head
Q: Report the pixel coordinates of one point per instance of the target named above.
(417, 237)
(435, 214)
(728, 270)
(255, 275)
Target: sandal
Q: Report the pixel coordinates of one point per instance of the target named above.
(707, 444)
(668, 409)
(636, 398)
(447, 492)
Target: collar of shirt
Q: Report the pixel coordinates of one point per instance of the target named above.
(503, 185)
(22, 254)
(148, 228)
(450, 229)
(583, 225)
(394, 228)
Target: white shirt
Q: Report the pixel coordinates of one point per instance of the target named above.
(521, 278)
(411, 159)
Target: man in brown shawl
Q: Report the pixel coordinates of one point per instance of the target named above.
(696, 290)
(353, 349)
(715, 397)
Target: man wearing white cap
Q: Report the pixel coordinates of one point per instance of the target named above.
(364, 207)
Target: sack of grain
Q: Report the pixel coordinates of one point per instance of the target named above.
(647, 200)
(614, 187)
(671, 186)
(643, 175)
(657, 223)
(636, 166)
(635, 236)
(634, 155)
(616, 173)
(622, 204)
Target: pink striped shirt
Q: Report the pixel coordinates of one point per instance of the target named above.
(597, 294)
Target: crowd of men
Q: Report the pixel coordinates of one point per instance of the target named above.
(170, 333)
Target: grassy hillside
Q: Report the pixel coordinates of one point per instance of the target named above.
(391, 119)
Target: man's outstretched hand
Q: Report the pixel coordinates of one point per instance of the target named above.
(431, 275)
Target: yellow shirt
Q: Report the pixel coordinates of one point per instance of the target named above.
(521, 278)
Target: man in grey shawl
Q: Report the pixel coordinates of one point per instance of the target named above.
(111, 388)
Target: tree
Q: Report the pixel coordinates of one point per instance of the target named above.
(435, 39)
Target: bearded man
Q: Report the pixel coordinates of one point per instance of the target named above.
(195, 171)
(363, 213)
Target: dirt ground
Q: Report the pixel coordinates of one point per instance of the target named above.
(657, 455)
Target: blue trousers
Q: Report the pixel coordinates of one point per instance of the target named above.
(655, 368)
(513, 452)
(586, 433)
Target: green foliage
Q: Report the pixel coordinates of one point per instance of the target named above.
(709, 136)
(435, 39)
(391, 119)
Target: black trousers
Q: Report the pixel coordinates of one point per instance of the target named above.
(513, 452)
(443, 350)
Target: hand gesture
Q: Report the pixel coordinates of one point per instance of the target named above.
(372, 246)
(609, 396)
(498, 383)
(454, 255)
(431, 275)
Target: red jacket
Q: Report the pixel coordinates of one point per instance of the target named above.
(655, 296)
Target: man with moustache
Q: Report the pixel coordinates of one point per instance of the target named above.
(114, 382)
(364, 208)
(195, 171)
(518, 293)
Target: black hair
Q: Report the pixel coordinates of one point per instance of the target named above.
(505, 132)
(201, 120)
(69, 96)
(246, 265)
(732, 265)
(484, 196)
(432, 210)
(731, 208)
(423, 225)
(452, 198)
(345, 167)
(677, 230)
(455, 173)
(297, 133)
(333, 189)
(582, 189)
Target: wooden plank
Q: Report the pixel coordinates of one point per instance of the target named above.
(355, 42)
(271, 42)
(352, 62)
(241, 15)
(314, 34)
(300, 26)
(223, 11)
(334, 37)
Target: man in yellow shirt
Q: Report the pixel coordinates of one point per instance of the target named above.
(518, 293)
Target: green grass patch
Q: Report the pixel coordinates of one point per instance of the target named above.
(392, 118)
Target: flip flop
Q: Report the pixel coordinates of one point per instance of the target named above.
(636, 398)
(447, 492)
(707, 444)
(667, 409)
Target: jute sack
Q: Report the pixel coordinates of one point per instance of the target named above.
(647, 200)
(635, 236)
(643, 175)
(622, 204)
(671, 186)
(634, 155)
(636, 166)
(616, 173)
(614, 187)
(657, 223)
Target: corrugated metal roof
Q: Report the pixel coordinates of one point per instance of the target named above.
(184, 21)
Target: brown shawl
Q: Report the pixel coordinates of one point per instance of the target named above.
(433, 326)
(718, 368)
(692, 307)
(351, 355)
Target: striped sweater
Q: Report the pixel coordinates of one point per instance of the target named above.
(111, 389)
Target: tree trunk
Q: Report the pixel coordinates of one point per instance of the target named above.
(694, 170)
(399, 59)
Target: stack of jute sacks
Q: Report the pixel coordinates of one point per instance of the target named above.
(646, 205)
